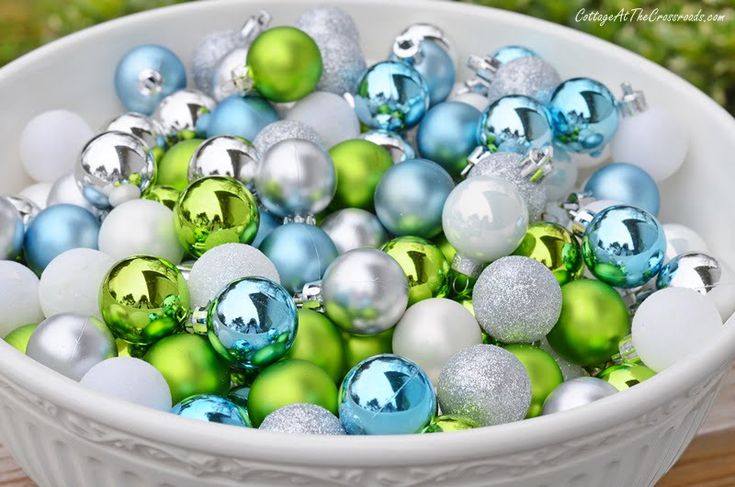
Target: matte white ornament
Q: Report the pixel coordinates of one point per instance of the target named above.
(584, 160)
(37, 193)
(329, 114)
(19, 303)
(681, 239)
(66, 191)
(130, 379)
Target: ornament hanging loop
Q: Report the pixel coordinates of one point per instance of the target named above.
(632, 102)
(485, 69)
(310, 297)
(407, 45)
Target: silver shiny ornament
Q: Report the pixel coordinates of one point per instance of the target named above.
(225, 156)
(178, 113)
(692, 270)
(328, 20)
(27, 209)
(485, 384)
(342, 64)
(71, 344)
(11, 230)
(283, 130)
(110, 160)
(143, 127)
(400, 150)
(185, 268)
(225, 71)
(66, 191)
(354, 228)
(302, 419)
(517, 300)
(577, 392)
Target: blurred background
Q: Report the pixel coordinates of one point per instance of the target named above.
(701, 52)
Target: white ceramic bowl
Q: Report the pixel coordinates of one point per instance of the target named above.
(64, 435)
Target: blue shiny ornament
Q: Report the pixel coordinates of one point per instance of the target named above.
(515, 123)
(624, 246)
(510, 53)
(625, 183)
(267, 224)
(146, 75)
(437, 68)
(447, 135)
(584, 115)
(241, 116)
(386, 395)
(252, 322)
(391, 96)
(300, 252)
(410, 198)
(212, 409)
(57, 229)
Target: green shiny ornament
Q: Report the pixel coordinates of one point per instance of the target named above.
(144, 299)
(18, 338)
(125, 349)
(543, 371)
(625, 376)
(360, 347)
(447, 249)
(555, 247)
(593, 320)
(319, 341)
(190, 366)
(290, 382)
(213, 211)
(359, 164)
(173, 168)
(447, 424)
(424, 265)
(166, 195)
(284, 64)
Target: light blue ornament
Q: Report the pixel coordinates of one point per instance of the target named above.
(240, 116)
(436, 66)
(563, 176)
(625, 183)
(57, 229)
(386, 395)
(447, 135)
(300, 252)
(624, 246)
(391, 96)
(212, 409)
(410, 198)
(584, 115)
(510, 53)
(267, 224)
(146, 75)
(515, 123)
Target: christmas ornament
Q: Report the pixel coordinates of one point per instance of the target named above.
(648, 137)
(327, 20)
(568, 369)
(398, 148)
(447, 424)
(19, 300)
(145, 128)
(144, 299)
(125, 349)
(593, 320)
(424, 265)
(18, 338)
(343, 63)
(361, 347)
(37, 193)
(681, 239)
(508, 53)
(290, 382)
(146, 75)
(563, 176)
(239, 396)
(213, 211)
(626, 183)
(410, 197)
(576, 393)
(517, 300)
(329, 114)
(241, 116)
(165, 195)
(50, 144)
(190, 366)
(386, 395)
(173, 168)
(302, 419)
(543, 371)
(66, 191)
(129, 379)
(555, 247)
(319, 341)
(584, 115)
(515, 123)
(222, 75)
(27, 209)
(71, 344)
(529, 76)
(11, 230)
(284, 130)
(581, 210)
(359, 165)
(391, 96)
(432, 331)
(267, 224)
(225, 156)
(692, 270)
(485, 384)
(179, 113)
(625, 376)
(212, 409)
(353, 228)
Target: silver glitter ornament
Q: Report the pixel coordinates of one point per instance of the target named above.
(12, 230)
(577, 392)
(302, 419)
(180, 111)
(517, 299)
(400, 150)
(485, 384)
(354, 228)
(284, 130)
(342, 64)
(225, 156)
(66, 191)
(71, 344)
(328, 21)
(225, 71)
(143, 127)
(27, 209)
(529, 75)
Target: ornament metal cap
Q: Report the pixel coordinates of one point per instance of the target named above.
(310, 297)
(197, 324)
(150, 82)
(633, 101)
(254, 25)
(407, 45)
(535, 166)
(579, 213)
(252, 28)
(467, 266)
(627, 354)
(485, 68)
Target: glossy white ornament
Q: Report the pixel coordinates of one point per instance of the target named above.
(329, 114)
(37, 193)
(19, 304)
(66, 191)
(576, 393)
(130, 379)
(723, 295)
(681, 239)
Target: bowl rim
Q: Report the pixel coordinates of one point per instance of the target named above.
(368, 451)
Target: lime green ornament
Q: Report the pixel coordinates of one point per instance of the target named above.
(555, 247)
(284, 64)
(290, 382)
(190, 366)
(173, 168)
(447, 424)
(213, 211)
(125, 349)
(18, 338)
(359, 164)
(625, 376)
(424, 265)
(593, 320)
(360, 347)
(144, 299)
(545, 374)
(166, 195)
(320, 342)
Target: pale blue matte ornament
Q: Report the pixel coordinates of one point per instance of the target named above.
(240, 116)
(510, 53)
(584, 115)
(386, 395)
(57, 229)
(410, 198)
(437, 68)
(300, 252)
(515, 123)
(391, 96)
(448, 134)
(625, 183)
(267, 224)
(624, 246)
(212, 409)
(146, 75)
